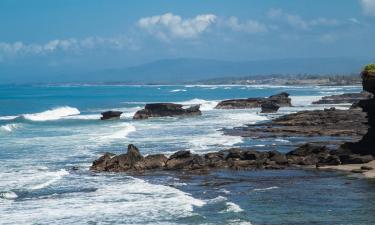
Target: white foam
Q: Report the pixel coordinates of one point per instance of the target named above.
(205, 105)
(55, 176)
(9, 127)
(10, 195)
(265, 189)
(232, 207)
(53, 114)
(178, 90)
(126, 201)
(203, 142)
(120, 131)
(305, 100)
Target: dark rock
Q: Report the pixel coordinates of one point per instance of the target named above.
(150, 162)
(180, 155)
(269, 107)
(166, 109)
(278, 157)
(366, 168)
(355, 159)
(357, 171)
(110, 115)
(309, 149)
(349, 98)
(281, 99)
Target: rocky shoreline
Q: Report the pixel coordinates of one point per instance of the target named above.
(354, 123)
(234, 158)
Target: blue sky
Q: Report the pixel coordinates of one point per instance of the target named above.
(89, 35)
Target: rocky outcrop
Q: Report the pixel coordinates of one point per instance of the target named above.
(235, 158)
(269, 107)
(328, 122)
(367, 144)
(166, 109)
(281, 99)
(349, 98)
(110, 115)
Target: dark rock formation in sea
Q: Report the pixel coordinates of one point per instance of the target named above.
(281, 99)
(110, 115)
(367, 144)
(235, 158)
(269, 107)
(327, 122)
(166, 109)
(344, 98)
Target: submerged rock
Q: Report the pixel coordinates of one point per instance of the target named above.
(110, 115)
(281, 99)
(166, 109)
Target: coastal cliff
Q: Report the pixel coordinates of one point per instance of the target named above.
(367, 144)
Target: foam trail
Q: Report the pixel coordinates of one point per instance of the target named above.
(57, 176)
(53, 114)
(232, 207)
(266, 189)
(8, 117)
(178, 90)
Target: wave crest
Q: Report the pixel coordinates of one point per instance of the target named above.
(52, 114)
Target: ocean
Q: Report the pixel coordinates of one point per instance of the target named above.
(46, 130)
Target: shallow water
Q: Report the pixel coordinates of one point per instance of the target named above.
(46, 130)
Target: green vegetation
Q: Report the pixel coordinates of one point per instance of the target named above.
(370, 68)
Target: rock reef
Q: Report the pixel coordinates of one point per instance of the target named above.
(328, 122)
(344, 98)
(234, 158)
(166, 109)
(281, 99)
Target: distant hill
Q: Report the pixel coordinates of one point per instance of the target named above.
(192, 69)
(187, 69)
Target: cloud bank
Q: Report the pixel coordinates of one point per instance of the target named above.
(169, 26)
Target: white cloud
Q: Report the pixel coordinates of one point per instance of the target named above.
(368, 7)
(169, 26)
(298, 22)
(64, 45)
(250, 26)
(327, 38)
(354, 20)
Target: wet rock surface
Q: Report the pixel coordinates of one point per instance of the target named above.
(166, 109)
(235, 158)
(328, 122)
(281, 99)
(349, 98)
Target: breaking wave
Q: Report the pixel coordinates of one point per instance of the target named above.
(52, 114)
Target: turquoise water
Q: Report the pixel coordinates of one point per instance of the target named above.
(46, 130)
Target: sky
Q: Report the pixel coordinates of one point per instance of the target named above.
(89, 35)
